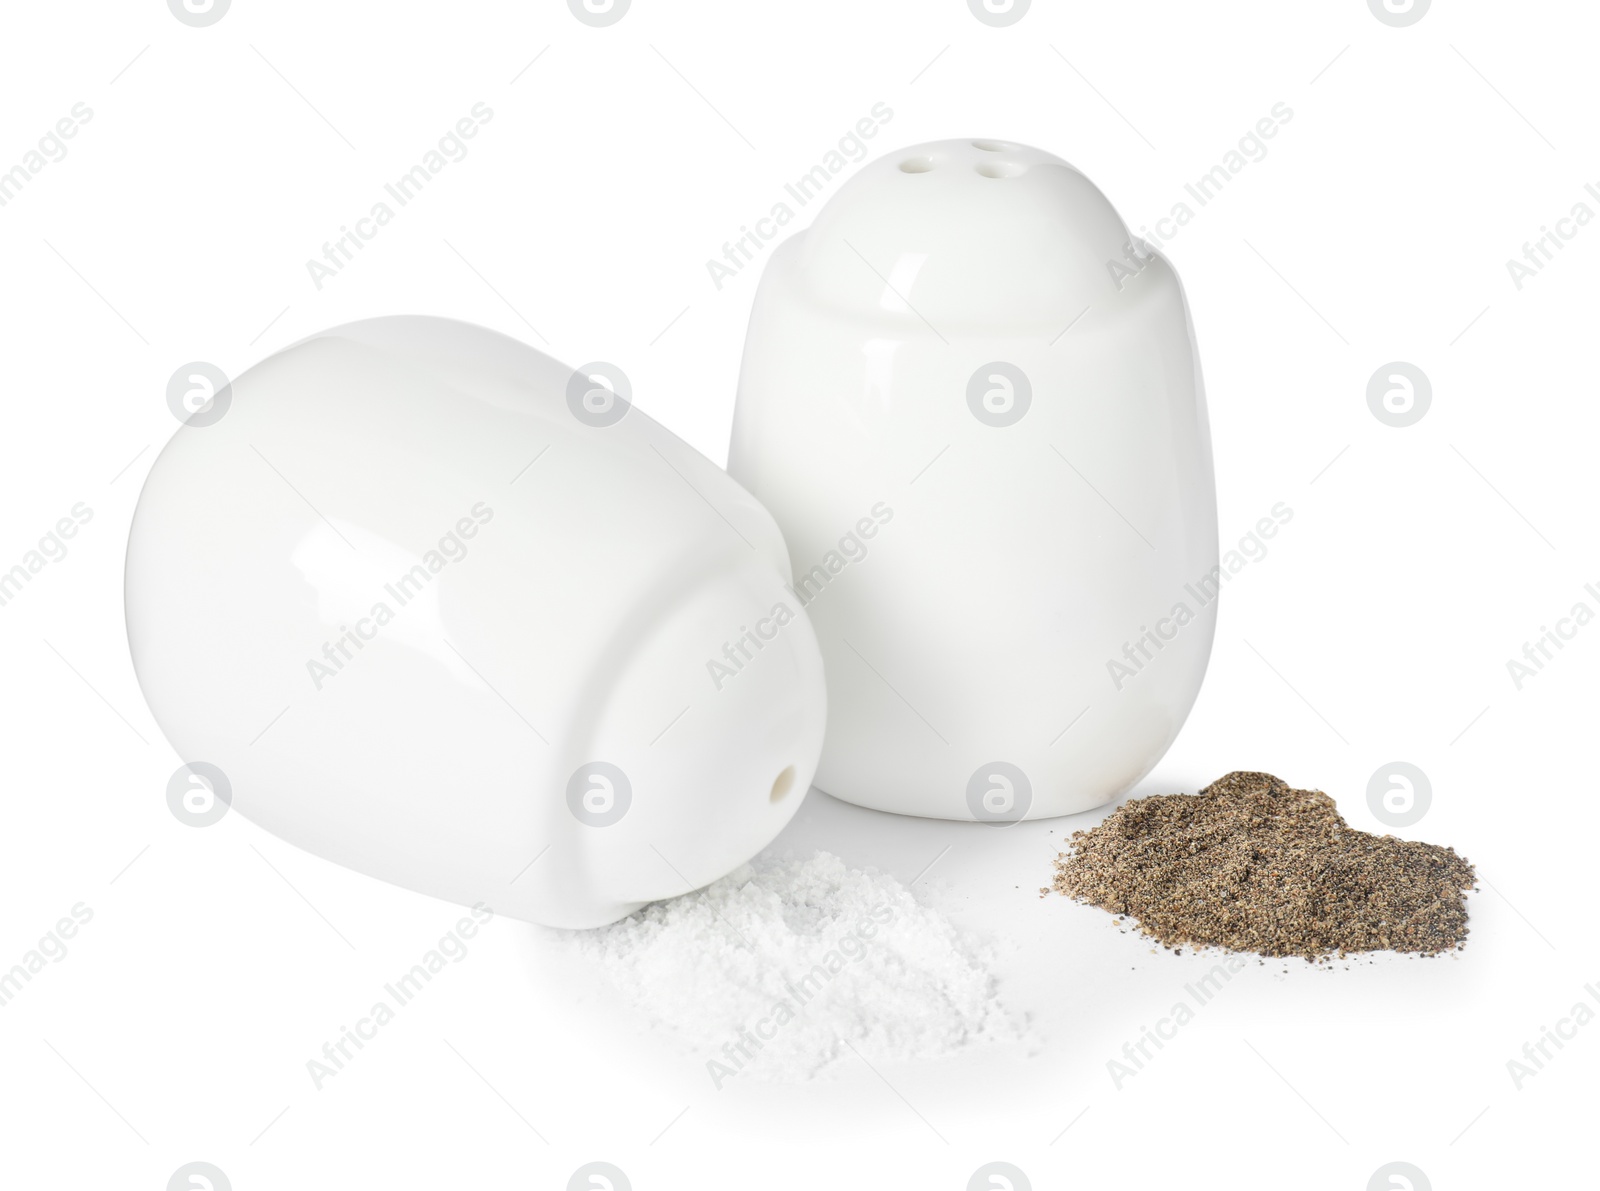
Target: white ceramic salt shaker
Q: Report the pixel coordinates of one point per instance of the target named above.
(974, 405)
(421, 600)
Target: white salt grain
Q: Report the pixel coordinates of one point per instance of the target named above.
(781, 968)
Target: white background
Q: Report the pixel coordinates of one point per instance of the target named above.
(1419, 560)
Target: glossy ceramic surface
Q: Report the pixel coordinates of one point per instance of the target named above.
(447, 612)
(968, 338)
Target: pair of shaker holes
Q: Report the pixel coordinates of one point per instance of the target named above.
(996, 168)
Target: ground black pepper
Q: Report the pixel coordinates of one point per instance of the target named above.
(1249, 864)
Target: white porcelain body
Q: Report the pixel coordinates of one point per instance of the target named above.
(574, 582)
(976, 646)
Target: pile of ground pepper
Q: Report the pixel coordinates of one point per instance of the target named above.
(1249, 864)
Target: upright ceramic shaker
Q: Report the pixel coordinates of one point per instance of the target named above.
(974, 406)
